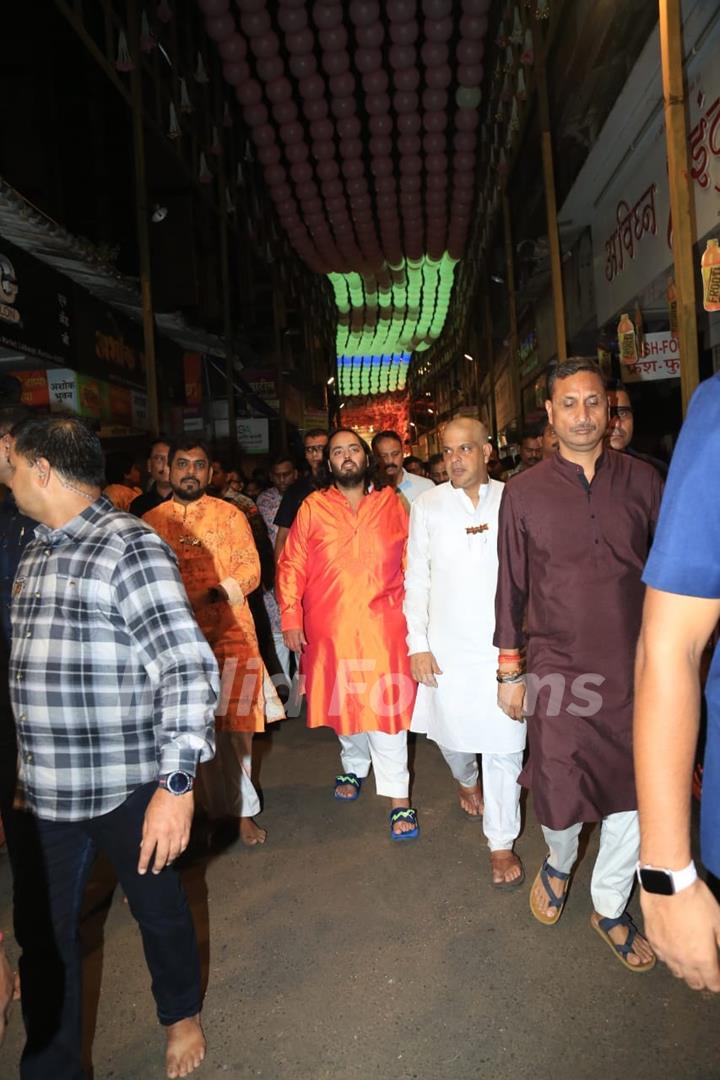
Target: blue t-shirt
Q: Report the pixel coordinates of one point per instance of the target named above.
(685, 559)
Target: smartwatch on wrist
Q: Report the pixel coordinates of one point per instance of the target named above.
(177, 783)
(662, 882)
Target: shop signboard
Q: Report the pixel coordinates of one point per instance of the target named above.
(660, 360)
(253, 435)
(121, 411)
(90, 397)
(109, 345)
(632, 228)
(314, 418)
(36, 311)
(34, 386)
(264, 384)
(62, 390)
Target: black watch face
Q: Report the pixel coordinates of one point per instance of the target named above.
(178, 783)
(657, 881)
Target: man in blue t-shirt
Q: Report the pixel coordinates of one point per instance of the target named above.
(682, 608)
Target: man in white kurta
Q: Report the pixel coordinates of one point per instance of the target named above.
(450, 582)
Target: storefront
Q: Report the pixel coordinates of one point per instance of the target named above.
(70, 351)
(622, 193)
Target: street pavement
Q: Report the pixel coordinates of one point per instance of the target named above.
(332, 952)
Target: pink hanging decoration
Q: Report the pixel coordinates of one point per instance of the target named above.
(174, 130)
(527, 56)
(147, 38)
(216, 145)
(185, 102)
(509, 59)
(124, 60)
(164, 11)
(516, 36)
(227, 115)
(521, 88)
(501, 39)
(201, 75)
(204, 174)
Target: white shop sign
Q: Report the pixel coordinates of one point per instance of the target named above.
(632, 227)
(253, 435)
(62, 390)
(660, 360)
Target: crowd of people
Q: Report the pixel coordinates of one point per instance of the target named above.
(148, 635)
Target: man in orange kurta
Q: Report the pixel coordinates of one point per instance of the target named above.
(219, 566)
(340, 589)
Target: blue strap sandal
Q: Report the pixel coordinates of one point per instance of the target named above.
(603, 926)
(544, 874)
(404, 813)
(346, 780)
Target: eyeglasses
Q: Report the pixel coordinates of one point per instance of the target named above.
(318, 449)
(622, 412)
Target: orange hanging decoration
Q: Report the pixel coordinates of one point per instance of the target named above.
(626, 340)
(710, 266)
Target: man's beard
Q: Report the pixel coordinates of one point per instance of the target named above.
(186, 495)
(350, 478)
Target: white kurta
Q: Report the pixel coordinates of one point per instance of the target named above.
(450, 611)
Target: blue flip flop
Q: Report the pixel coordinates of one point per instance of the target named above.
(404, 813)
(603, 926)
(343, 781)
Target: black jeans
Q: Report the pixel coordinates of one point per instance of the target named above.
(49, 894)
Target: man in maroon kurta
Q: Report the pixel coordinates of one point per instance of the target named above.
(574, 535)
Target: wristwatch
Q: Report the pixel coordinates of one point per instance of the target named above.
(665, 882)
(177, 783)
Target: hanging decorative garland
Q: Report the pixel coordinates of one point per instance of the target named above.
(364, 117)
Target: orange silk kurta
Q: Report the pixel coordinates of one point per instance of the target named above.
(214, 546)
(121, 495)
(340, 578)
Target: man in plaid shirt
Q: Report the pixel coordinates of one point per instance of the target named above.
(113, 688)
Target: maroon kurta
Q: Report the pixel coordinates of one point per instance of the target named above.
(571, 556)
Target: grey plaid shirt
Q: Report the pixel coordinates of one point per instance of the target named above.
(111, 681)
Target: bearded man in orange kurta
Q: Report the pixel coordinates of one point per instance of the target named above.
(219, 566)
(340, 590)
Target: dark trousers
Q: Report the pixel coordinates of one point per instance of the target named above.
(49, 894)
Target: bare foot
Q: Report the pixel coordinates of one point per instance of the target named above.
(250, 833)
(471, 800)
(507, 870)
(348, 792)
(641, 953)
(185, 1046)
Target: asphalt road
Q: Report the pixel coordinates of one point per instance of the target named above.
(334, 953)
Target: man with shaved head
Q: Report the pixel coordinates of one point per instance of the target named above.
(450, 582)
